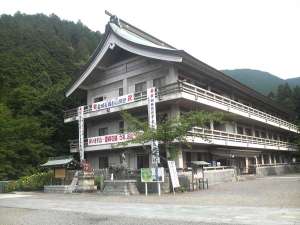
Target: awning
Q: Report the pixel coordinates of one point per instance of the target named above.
(64, 161)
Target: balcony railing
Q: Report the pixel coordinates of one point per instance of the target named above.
(210, 136)
(231, 104)
(210, 97)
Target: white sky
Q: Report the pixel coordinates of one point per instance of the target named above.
(226, 34)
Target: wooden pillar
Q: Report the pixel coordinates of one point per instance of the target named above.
(262, 159)
(270, 159)
(274, 159)
(247, 164)
(211, 125)
(256, 161)
(179, 160)
(125, 87)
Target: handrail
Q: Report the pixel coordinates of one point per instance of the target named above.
(210, 135)
(193, 89)
(222, 135)
(198, 92)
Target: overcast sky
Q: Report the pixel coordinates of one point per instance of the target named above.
(226, 34)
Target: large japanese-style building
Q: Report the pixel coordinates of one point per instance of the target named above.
(128, 61)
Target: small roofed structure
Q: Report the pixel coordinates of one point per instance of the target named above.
(60, 166)
(196, 165)
(60, 162)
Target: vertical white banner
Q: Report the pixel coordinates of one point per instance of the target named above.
(152, 123)
(173, 174)
(81, 132)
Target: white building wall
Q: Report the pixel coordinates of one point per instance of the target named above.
(107, 91)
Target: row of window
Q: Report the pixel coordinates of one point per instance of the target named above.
(259, 133)
(104, 130)
(138, 87)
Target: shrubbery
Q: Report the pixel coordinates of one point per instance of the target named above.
(33, 182)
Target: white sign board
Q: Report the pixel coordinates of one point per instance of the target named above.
(81, 132)
(152, 123)
(173, 174)
(110, 139)
(106, 104)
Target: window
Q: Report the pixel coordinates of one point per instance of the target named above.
(199, 156)
(140, 87)
(240, 130)
(257, 133)
(103, 162)
(263, 134)
(103, 131)
(219, 126)
(188, 158)
(121, 126)
(121, 92)
(99, 99)
(248, 131)
(142, 161)
(159, 82)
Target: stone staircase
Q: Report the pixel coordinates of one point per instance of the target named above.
(120, 187)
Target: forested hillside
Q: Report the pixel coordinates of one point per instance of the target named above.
(260, 81)
(39, 56)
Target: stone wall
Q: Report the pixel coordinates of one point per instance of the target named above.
(277, 169)
(220, 176)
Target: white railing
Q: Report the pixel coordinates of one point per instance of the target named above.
(198, 92)
(231, 104)
(210, 135)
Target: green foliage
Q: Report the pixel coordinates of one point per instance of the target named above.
(33, 182)
(169, 130)
(39, 56)
(260, 81)
(290, 98)
(99, 182)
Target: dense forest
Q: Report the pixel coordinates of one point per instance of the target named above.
(261, 81)
(39, 57)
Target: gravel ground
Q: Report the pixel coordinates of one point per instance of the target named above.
(271, 200)
(12, 216)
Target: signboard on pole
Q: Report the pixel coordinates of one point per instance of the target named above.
(173, 174)
(149, 175)
(106, 104)
(152, 123)
(81, 132)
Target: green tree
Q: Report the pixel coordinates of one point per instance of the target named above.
(39, 57)
(170, 131)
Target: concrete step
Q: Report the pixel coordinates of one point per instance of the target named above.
(246, 177)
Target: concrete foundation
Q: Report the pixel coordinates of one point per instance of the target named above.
(57, 189)
(277, 169)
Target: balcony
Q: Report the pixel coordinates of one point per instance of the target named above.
(215, 137)
(191, 92)
(197, 136)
